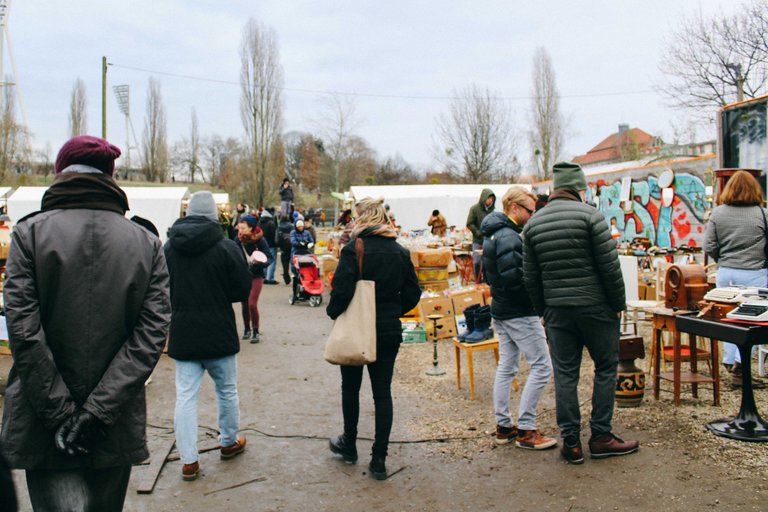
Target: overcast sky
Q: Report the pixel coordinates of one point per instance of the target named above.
(605, 54)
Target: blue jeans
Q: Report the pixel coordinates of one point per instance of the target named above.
(737, 277)
(517, 335)
(189, 375)
(272, 266)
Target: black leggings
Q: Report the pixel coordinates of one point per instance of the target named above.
(380, 373)
(285, 259)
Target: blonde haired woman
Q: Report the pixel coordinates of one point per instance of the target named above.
(397, 291)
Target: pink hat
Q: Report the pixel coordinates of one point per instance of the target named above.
(87, 150)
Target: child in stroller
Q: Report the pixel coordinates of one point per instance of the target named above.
(307, 281)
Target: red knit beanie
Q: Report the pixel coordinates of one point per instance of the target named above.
(87, 150)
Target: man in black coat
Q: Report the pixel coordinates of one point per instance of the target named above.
(267, 221)
(286, 197)
(87, 308)
(208, 273)
(283, 240)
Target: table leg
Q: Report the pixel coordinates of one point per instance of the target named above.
(471, 370)
(715, 362)
(692, 339)
(496, 355)
(676, 366)
(748, 425)
(655, 364)
(458, 367)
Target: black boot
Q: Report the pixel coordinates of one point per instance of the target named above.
(343, 447)
(483, 329)
(378, 468)
(469, 316)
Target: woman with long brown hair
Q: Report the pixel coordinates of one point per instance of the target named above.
(389, 265)
(735, 239)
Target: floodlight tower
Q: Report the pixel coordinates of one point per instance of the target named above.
(123, 95)
(5, 38)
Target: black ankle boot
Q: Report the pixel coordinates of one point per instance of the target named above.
(343, 447)
(378, 468)
(469, 318)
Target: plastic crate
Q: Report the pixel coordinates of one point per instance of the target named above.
(415, 336)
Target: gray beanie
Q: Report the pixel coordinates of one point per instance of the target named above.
(202, 204)
(568, 175)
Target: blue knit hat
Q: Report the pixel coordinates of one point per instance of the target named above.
(250, 220)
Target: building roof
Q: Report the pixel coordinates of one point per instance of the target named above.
(610, 149)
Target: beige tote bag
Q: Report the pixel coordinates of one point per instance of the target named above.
(352, 341)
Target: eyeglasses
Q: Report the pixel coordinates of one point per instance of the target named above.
(530, 212)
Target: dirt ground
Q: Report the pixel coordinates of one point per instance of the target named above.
(443, 456)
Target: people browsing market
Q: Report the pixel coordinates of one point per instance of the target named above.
(572, 273)
(389, 265)
(477, 213)
(250, 238)
(515, 322)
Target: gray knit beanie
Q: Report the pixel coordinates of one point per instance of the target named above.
(202, 204)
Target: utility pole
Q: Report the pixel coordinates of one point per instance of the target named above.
(104, 98)
(739, 80)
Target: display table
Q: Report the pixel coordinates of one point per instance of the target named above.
(471, 348)
(747, 425)
(664, 319)
(464, 265)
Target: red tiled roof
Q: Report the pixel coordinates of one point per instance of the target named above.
(610, 147)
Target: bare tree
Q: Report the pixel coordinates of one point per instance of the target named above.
(14, 148)
(547, 124)
(337, 126)
(708, 60)
(309, 166)
(77, 110)
(155, 146)
(261, 82)
(477, 136)
(217, 157)
(395, 171)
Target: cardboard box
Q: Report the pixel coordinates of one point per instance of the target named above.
(426, 274)
(434, 257)
(446, 327)
(465, 299)
(328, 264)
(435, 306)
(435, 286)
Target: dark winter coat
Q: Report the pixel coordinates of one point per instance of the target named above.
(388, 264)
(298, 238)
(208, 273)
(268, 226)
(477, 213)
(257, 269)
(569, 257)
(283, 235)
(503, 264)
(286, 193)
(87, 309)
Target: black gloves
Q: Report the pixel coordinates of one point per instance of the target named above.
(78, 433)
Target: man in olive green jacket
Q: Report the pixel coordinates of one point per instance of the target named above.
(572, 274)
(477, 213)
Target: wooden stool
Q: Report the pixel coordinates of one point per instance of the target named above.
(664, 320)
(470, 348)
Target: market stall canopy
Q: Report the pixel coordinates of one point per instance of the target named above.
(23, 201)
(412, 205)
(221, 199)
(160, 205)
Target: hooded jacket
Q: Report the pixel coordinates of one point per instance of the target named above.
(503, 264)
(87, 309)
(477, 213)
(208, 273)
(267, 222)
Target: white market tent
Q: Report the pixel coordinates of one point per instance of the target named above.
(413, 204)
(160, 205)
(221, 199)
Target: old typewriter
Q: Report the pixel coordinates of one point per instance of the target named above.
(753, 309)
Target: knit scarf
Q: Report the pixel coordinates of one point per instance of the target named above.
(89, 191)
(385, 230)
(251, 238)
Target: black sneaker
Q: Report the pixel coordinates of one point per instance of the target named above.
(378, 468)
(255, 337)
(247, 334)
(341, 446)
